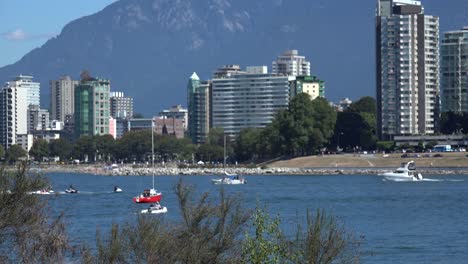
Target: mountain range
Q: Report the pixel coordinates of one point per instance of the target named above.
(149, 48)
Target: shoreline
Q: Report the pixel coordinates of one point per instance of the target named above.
(173, 171)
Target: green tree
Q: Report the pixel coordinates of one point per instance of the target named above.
(61, 148)
(453, 122)
(28, 234)
(134, 146)
(268, 244)
(2, 152)
(14, 153)
(246, 144)
(85, 148)
(105, 147)
(365, 104)
(357, 126)
(39, 150)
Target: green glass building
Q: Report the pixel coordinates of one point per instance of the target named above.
(198, 99)
(92, 110)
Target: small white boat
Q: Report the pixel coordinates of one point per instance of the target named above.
(117, 189)
(232, 179)
(155, 209)
(71, 190)
(407, 172)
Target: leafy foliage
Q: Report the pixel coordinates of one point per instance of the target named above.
(39, 150)
(357, 126)
(27, 234)
(14, 153)
(453, 122)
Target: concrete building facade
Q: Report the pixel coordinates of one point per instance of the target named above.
(121, 106)
(62, 97)
(38, 119)
(247, 100)
(291, 64)
(454, 71)
(92, 111)
(407, 72)
(13, 113)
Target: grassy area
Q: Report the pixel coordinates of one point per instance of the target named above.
(373, 160)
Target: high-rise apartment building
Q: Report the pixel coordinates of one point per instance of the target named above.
(13, 112)
(62, 98)
(291, 64)
(198, 100)
(38, 119)
(247, 100)
(92, 110)
(121, 106)
(454, 71)
(407, 72)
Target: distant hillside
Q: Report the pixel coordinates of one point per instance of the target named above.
(149, 48)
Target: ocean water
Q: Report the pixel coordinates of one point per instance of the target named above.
(401, 222)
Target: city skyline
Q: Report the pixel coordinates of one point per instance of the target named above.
(331, 60)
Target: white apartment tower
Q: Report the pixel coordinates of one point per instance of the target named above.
(13, 113)
(62, 98)
(291, 64)
(454, 71)
(407, 73)
(248, 100)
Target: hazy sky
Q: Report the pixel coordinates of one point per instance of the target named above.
(27, 24)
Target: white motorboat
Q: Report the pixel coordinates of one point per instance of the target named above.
(71, 189)
(155, 209)
(230, 180)
(407, 172)
(117, 189)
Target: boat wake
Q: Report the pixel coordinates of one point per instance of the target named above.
(423, 180)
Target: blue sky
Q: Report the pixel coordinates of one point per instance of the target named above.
(27, 24)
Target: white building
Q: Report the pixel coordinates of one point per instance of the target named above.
(13, 113)
(38, 119)
(62, 98)
(121, 106)
(247, 100)
(454, 71)
(291, 64)
(407, 71)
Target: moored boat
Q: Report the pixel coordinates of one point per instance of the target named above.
(148, 196)
(155, 208)
(230, 180)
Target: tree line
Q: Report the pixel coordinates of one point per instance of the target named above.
(306, 127)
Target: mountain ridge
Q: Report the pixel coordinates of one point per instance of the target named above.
(149, 48)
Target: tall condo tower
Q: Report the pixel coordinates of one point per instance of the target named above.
(454, 71)
(62, 98)
(198, 101)
(92, 110)
(291, 64)
(407, 72)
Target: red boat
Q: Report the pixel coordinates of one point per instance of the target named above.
(148, 196)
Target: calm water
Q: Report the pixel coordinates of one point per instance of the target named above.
(412, 222)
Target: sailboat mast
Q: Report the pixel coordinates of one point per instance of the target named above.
(152, 148)
(224, 152)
